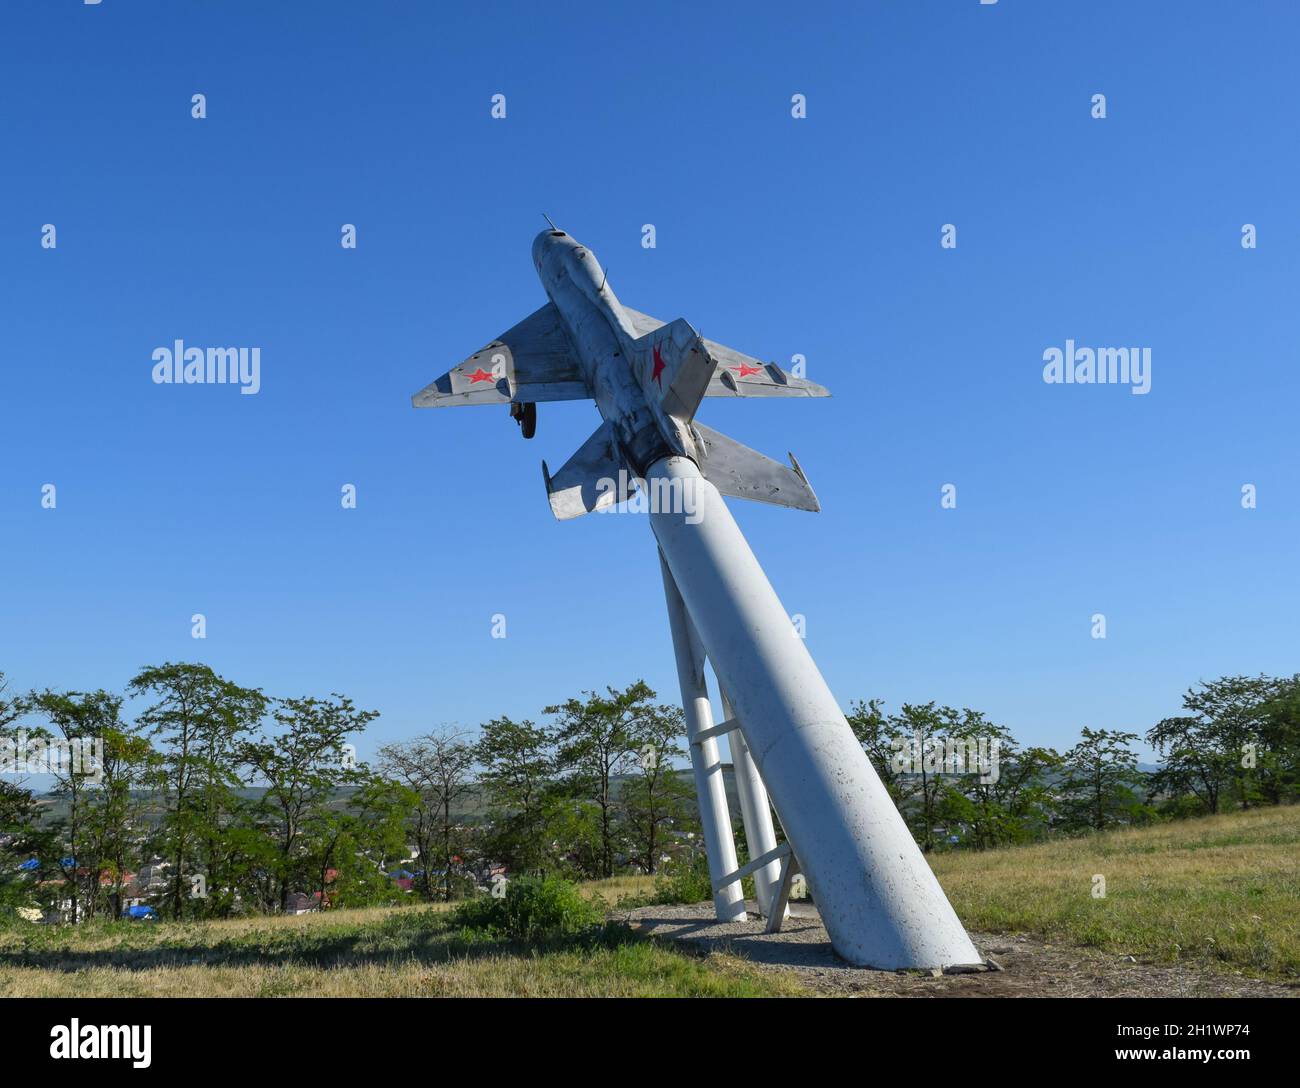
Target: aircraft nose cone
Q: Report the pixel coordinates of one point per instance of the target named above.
(547, 241)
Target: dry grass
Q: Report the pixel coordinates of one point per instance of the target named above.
(639, 970)
(636, 885)
(393, 952)
(1223, 890)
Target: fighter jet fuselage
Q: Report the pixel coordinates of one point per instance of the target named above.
(603, 335)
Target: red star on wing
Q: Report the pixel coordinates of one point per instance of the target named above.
(659, 367)
(480, 375)
(745, 370)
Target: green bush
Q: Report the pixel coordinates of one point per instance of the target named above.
(684, 880)
(533, 909)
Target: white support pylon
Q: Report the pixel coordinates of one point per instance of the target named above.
(875, 892)
(756, 813)
(710, 788)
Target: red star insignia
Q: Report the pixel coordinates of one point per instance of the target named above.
(480, 375)
(744, 370)
(659, 367)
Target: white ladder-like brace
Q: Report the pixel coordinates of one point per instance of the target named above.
(781, 900)
(755, 810)
(771, 887)
(750, 868)
(781, 894)
(716, 731)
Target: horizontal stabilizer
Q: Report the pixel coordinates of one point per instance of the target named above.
(592, 479)
(743, 473)
(737, 374)
(531, 362)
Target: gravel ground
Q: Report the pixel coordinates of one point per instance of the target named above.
(1029, 966)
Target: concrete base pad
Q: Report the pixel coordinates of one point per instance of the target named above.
(1028, 966)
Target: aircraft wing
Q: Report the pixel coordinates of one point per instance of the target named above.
(532, 362)
(738, 374)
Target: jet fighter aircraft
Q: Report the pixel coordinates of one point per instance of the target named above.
(646, 376)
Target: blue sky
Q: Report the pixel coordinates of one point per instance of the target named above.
(777, 236)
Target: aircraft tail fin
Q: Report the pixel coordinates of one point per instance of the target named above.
(743, 473)
(674, 366)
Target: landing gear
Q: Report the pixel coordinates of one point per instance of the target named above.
(526, 416)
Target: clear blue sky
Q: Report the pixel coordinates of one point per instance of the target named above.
(818, 236)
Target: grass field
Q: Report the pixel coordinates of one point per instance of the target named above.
(1223, 891)
(390, 952)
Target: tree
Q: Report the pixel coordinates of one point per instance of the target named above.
(1011, 803)
(76, 721)
(882, 737)
(597, 741)
(349, 847)
(437, 770)
(517, 764)
(302, 767)
(19, 812)
(114, 814)
(1279, 734)
(202, 720)
(942, 765)
(1100, 776)
(1237, 738)
(939, 747)
(21, 837)
(656, 797)
(12, 707)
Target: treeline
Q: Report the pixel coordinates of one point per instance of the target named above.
(1237, 745)
(217, 799)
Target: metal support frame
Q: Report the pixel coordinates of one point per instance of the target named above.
(750, 868)
(706, 761)
(755, 811)
(717, 731)
(781, 896)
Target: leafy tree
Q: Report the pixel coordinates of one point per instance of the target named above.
(939, 743)
(1100, 777)
(12, 707)
(598, 739)
(115, 809)
(78, 720)
(1278, 758)
(517, 767)
(882, 737)
(1238, 738)
(937, 764)
(575, 824)
(1004, 796)
(202, 721)
(656, 797)
(436, 770)
(19, 811)
(302, 767)
(1014, 805)
(350, 847)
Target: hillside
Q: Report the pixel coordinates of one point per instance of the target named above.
(1223, 888)
(1184, 902)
